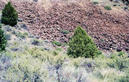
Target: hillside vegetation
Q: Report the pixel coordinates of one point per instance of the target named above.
(30, 59)
(106, 24)
(25, 57)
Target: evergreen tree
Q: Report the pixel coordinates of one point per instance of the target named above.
(9, 15)
(3, 40)
(81, 45)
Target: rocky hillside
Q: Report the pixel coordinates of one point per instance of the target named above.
(30, 59)
(34, 55)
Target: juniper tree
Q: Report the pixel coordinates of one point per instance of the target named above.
(81, 45)
(3, 40)
(9, 15)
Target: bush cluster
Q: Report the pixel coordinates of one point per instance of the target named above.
(81, 45)
(9, 15)
(56, 43)
(108, 7)
(3, 40)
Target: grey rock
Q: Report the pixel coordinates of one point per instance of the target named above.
(24, 26)
(37, 37)
(1, 68)
(31, 36)
(46, 49)
(2, 80)
(46, 41)
(35, 42)
(8, 37)
(4, 62)
(116, 1)
(14, 49)
(8, 28)
(35, 0)
(13, 32)
(119, 49)
(4, 59)
(20, 20)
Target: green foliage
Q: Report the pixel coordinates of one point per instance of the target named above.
(124, 79)
(108, 8)
(56, 43)
(22, 35)
(120, 61)
(9, 15)
(3, 41)
(121, 53)
(59, 49)
(95, 2)
(55, 53)
(65, 31)
(81, 45)
(0, 26)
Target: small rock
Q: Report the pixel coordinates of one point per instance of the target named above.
(35, 0)
(35, 42)
(1, 68)
(46, 49)
(14, 49)
(13, 32)
(116, 1)
(2, 80)
(119, 49)
(127, 49)
(4, 59)
(8, 37)
(89, 65)
(20, 20)
(46, 41)
(37, 37)
(8, 28)
(24, 26)
(31, 36)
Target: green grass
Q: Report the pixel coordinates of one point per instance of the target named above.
(95, 2)
(21, 35)
(34, 61)
(108, 7)
(57, 43)
(65, 32)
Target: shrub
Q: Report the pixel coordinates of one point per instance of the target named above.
(36, 42)
(0, 26)
(3, 41)
(65, 31)
(95, 2)
(108, 8)
(21, 35)
(124, 79)
(81, 45)
(9, 15)
(120, 61)
(56, 43)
